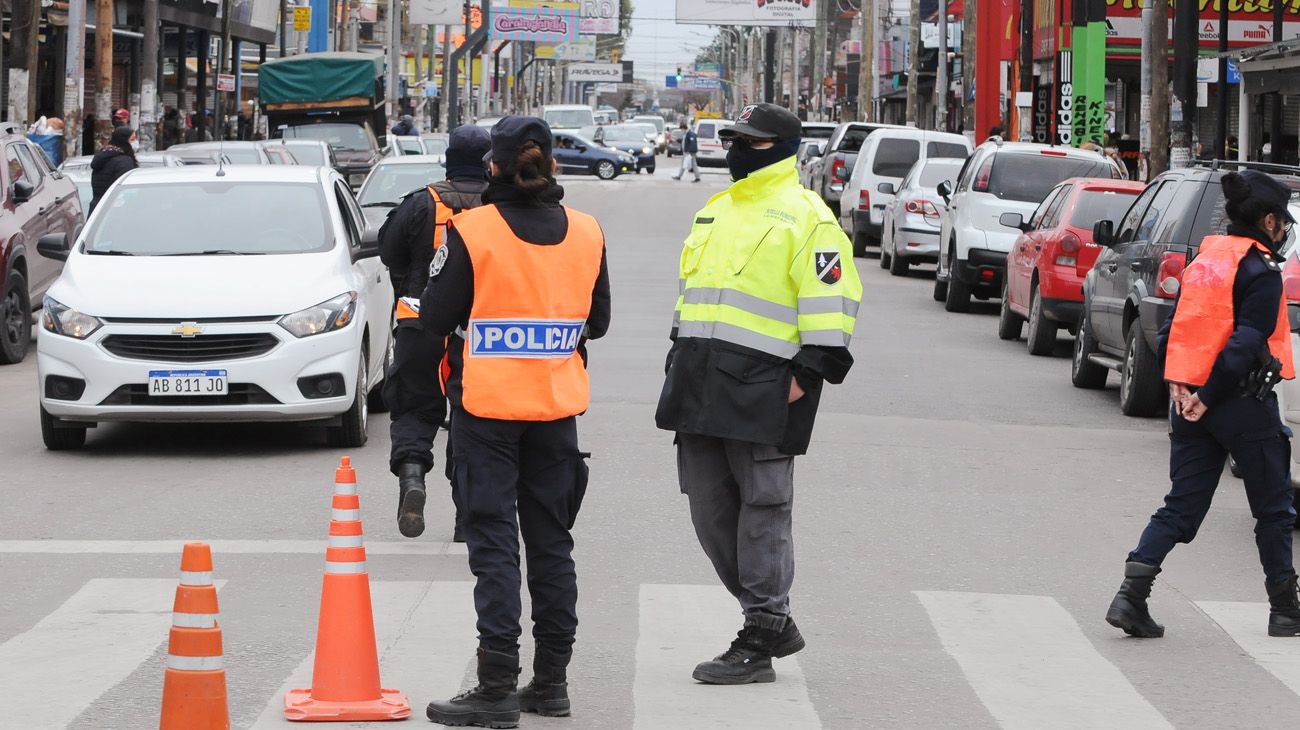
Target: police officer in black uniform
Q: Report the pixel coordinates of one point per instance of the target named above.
(411, 389)
(1223, 404)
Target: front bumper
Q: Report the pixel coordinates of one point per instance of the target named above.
(262, 388)
(971, 271)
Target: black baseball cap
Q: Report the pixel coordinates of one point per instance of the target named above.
(1268, 190)
(510, 134)
(765, 121)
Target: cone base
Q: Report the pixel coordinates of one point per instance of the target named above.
(300, 706)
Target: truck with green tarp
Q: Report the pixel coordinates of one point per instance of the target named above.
(334, 97)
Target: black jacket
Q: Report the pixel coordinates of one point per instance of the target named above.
(449, 295)
(1256, 293)
(406, 238)
(109, 164)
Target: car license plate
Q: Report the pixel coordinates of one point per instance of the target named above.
(187, 382)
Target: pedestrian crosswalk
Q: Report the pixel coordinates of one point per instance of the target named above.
(1026, 659)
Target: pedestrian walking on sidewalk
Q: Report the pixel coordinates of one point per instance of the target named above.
(408, 242)
(758, 329)
(690, 148)
(521, 287)
(1225, 345)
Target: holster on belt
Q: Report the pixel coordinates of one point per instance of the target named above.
(1266, 375)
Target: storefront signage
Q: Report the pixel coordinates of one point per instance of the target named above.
(1250, 22)
(1042, 112)
(1065, 98)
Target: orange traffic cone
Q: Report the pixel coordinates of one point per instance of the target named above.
(345, 682)
(194, 687)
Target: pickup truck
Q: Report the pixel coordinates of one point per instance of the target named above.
(828, 173)
(336, 98)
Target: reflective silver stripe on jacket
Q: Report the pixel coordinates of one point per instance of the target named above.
(345, 515)
(344, 541)
(828, 338)
(194, 620)
(193, 663)
(828, 305)
(742, 301)
(196, 578)
(738, 336)
(339, 568)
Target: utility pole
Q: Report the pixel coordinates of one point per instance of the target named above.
(104, 70)
(1148, 66)
(816, 88)
(219, 113)
(1275, 131)
(941, 71)
(1186, 44)
(794, 69)
(913, 63)
(867, 63)
(443, 96)
(74, 79)
(468, 116)
(301, 37)
(24, 25)
(394, 60)
(149, 79)
(1158, 160)
(968, 53)
(769, 66)
(1221, 123)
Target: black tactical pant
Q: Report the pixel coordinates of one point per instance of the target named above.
(1253, 433)
(416, 405)
(520, 477)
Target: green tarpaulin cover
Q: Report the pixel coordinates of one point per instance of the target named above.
(319, 77)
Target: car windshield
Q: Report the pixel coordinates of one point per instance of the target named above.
(194, 218)
(308, 154)
(435, 146)
(243, 155)
(338, 136)
(817, 132)
(946, 149)
(624, 134)
(894, 157)
(569, 118)
(1100, 205)
(1028, 178)
(388, 183)
(936, 171)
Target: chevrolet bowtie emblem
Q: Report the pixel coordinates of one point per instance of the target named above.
(188, 329)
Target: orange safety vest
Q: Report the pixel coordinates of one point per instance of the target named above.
(1204, 319)
(531, 303)
(408, 307)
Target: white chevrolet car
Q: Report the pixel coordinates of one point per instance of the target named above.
(205, 294)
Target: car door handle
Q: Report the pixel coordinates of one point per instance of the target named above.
(1137, 266)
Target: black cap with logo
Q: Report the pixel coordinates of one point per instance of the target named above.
(510, 134)
(765, 121)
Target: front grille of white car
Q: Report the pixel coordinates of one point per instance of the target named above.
(199, 348)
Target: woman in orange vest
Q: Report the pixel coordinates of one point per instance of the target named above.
(1224, 346)
(518, 287)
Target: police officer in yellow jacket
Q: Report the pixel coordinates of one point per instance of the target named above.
(768, 300)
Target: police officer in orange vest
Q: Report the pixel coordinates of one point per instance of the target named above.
(518, 287)
(408, 240)
(1225, 346)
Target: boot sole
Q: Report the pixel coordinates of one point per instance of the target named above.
(1120, 621)
(410, 519)
(1283, 633)
(548, 708)
(764, 676)
(503, 720)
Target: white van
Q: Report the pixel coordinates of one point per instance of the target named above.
(568, 117)
(884, 160)
(711, 153)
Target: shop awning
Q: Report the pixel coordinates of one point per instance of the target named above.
(1271, 68)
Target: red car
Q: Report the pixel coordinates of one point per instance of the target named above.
(1048, 262)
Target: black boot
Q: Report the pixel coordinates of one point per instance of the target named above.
(548, 693)
(410, 507)
(1129, 609)
(1284, 609)
(787, 641)
(493, 703)
(748, 661)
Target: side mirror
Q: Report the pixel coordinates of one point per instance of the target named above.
(945, 190)
(1103, 233)
(1013, 220)
(369, 244)
(23, 192)
(887, 188)
(53, 246)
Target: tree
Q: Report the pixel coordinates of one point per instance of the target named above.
(611, 46)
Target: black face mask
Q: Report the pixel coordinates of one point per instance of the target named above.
(743, 160)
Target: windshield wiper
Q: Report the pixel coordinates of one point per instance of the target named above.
(380, 204)
(95, 252)
(216, 252)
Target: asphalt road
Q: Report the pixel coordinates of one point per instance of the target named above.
(962, 519)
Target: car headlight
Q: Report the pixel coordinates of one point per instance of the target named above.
(645, 150)
(66, 321)
(329, 316)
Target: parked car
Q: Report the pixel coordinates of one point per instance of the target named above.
(911, 223)
(1130, 290)
(575, 154)
(143, 159)
(1000, 177)
(355, 146)
(435, 143)
(829, 172)
(38, 201)
(625, 138)
(403, 145)
(885, 157)
(236, 153)
(661, 127)
(309, 152)
(605, 116)
(1048, 262)
(711, 153)
(570, 117)
(144, 324)
(675, 137)
(393, 179)
(1288, 392)
(809, 151)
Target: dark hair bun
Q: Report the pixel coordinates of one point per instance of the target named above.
(1235, 188)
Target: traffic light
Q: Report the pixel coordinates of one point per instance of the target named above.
(679, 75)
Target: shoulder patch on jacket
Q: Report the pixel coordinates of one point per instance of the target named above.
(826, 263)
(439, 260)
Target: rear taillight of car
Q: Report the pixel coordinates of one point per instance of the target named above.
(921, 207)
(1068, 249)
(1170, 274)
(982, 177)
(864, 199)
(837, 171)
(1291, 280)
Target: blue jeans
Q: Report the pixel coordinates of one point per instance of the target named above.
(1253, 433)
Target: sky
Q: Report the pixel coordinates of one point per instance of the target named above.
(658, 45)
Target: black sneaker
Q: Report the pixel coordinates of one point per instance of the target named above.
(746, 662)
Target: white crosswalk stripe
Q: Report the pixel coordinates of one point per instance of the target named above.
(1031, 665)
(1247, 624)
(56, 669)
(679, 626)
(414, 658)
